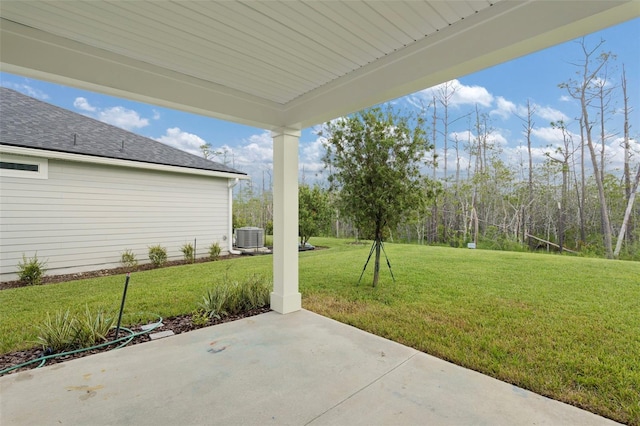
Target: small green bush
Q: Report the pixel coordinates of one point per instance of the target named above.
(128, 260)
(158, 255)
(31, 271)
(214, 251)
(188, 252)
(200, 318)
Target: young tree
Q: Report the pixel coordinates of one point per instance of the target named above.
(375, 157)
(314, 212)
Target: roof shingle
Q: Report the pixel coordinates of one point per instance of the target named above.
(30, 123)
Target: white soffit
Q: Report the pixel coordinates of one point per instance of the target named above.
(277, 64)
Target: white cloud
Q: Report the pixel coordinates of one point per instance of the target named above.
(551, 135)
(254, 155)
(463, 136)
(504, 108)
(615, 153)
(462, 94)
(26, 89)
(554, 135)
(83, 105)
(119, 116)
(515, 155)
(550, 114)
(182, 140)
(497, 138)
(156, 115)
(122, 117)
(565, 98)
(255, 151)
(311, 154)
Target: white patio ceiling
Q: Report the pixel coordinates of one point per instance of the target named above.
(274, 64)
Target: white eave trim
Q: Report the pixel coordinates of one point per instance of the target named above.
(67, 156)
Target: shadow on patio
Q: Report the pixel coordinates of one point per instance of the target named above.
(298, 369)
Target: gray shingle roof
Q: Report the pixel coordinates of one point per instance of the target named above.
(28, 122)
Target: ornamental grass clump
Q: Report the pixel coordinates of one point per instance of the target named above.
(65, 331)
(233, 297)
(57, 333)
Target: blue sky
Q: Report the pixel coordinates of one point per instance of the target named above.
(500, 92)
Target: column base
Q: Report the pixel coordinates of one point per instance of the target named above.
(286, 304)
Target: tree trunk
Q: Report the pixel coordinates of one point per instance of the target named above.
(583, 184)
(376, 268)
(627, 214)
(627, 153)
(604, 211)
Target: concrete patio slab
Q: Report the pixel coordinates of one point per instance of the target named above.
(293, 369)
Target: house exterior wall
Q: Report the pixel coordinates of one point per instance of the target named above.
(82, 216)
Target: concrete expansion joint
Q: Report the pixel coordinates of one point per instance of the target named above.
(377, 379)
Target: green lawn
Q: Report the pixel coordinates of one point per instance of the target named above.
(565, 327)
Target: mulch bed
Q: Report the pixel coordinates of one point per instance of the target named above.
(178, 324)
(54, 279)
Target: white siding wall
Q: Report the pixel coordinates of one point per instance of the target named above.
(83, 216)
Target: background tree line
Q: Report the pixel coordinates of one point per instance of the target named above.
(571, 200)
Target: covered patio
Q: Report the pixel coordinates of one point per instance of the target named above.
(294, 369)
(281, 66)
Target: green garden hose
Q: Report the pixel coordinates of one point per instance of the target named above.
(125, 341)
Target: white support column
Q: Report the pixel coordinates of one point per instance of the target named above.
(285, 297)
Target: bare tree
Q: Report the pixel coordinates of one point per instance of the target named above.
(446, 93)
(627, 149)
(584, 90)
(566, 152)
(627, 213)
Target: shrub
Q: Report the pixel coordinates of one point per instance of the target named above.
(31, 271)
(158, 255)
(214, 251)
(233, 297)
(200, 318)
(188, 252)
(128, 260)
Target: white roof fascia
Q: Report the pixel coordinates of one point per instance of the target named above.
(67, 62)
(67, 156)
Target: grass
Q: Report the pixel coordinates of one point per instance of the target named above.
(564, 327)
